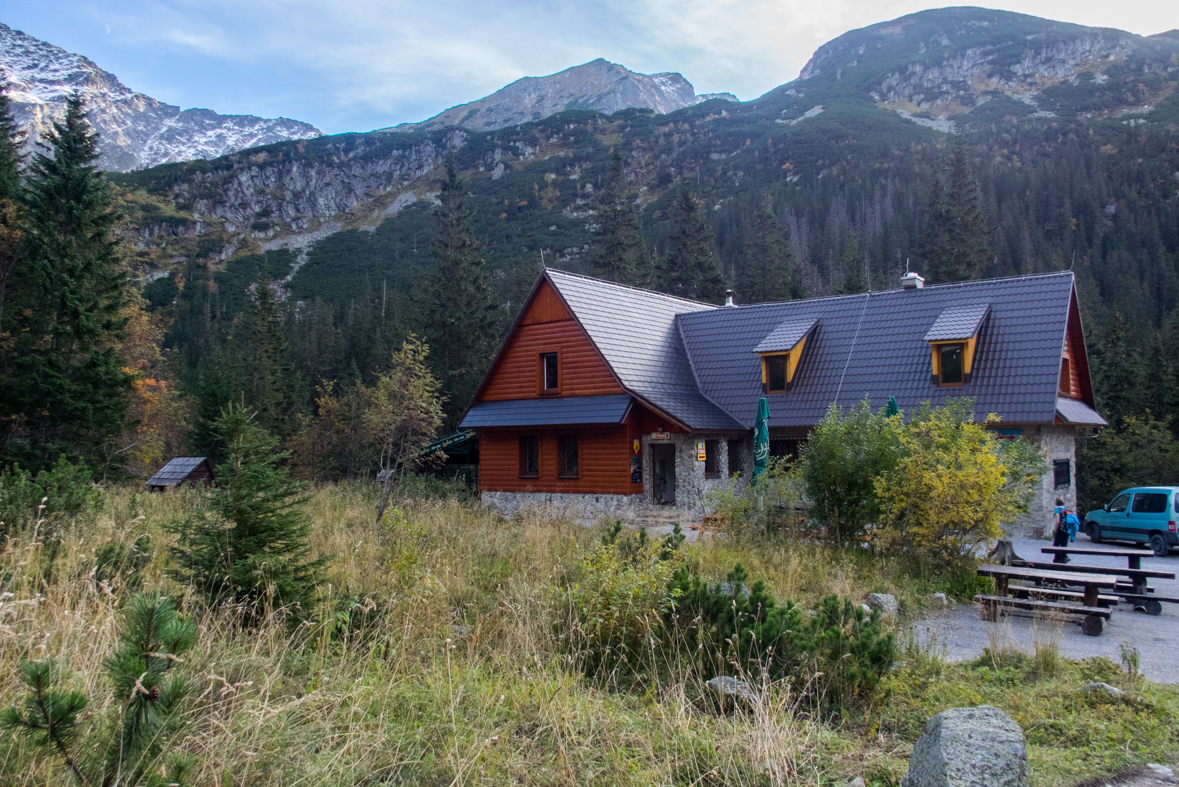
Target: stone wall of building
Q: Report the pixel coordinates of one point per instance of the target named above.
(577, 506)
(691, 484)
(1055, 443)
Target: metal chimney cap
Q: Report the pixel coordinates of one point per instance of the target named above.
(729, 299)
(912, 281)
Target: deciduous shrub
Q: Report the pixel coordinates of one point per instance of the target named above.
(840, 462)
(953, 485)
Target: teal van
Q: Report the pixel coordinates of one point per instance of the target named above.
(1143, 515)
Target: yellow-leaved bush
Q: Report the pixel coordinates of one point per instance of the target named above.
(954, 485)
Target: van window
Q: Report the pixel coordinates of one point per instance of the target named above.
(1119, 504)
(1149, 503)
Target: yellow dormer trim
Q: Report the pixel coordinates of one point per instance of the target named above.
(792, 359)
(968, 346)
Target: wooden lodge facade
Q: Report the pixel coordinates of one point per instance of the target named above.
(610, 400)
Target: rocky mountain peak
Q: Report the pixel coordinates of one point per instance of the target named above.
(135, 130)
(598, 85)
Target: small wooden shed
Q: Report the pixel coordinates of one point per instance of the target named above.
(191, 470)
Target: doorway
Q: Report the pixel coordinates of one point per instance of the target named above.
(663, 474)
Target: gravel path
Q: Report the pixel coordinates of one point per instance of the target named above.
(963, 634)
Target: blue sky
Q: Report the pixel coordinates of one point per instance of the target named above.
(364, 64)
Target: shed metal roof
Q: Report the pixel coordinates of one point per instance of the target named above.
(610, 409)
(960, 321)
(875, 345)
(786, 336)
(176, 471)
(1077, 412)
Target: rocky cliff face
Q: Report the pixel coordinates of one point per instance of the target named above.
(136, 130)
(599, 85)
(946, 64)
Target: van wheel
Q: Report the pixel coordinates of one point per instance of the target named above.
(1159, 545)
(1095, 532)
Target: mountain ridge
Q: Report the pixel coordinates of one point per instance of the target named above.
(135, 129)
(598, 85)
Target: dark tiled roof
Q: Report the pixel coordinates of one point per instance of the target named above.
(874, 344)
(960, 321)
(1077, 412)
(786, 336)
(175, 471)
(635, 330)
(610, 409)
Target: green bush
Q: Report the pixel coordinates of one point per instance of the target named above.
(840, 462)
(835, 655)
(65, 489)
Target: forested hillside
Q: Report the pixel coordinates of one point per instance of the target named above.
(1071, 134)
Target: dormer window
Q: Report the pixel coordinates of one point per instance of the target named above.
(781, 353)
(953, 339)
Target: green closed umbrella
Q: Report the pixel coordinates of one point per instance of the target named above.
(892, 407)
(761, 438)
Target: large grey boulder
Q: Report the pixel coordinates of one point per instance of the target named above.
(884, 604)
(969, 747)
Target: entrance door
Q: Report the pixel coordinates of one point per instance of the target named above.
(663, 473)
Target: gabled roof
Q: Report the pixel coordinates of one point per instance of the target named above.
(635, 331)
(875, 344)
(786, 336)
(176, 471)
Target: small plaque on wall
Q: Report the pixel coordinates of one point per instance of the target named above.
(660, 435)
(701, 451)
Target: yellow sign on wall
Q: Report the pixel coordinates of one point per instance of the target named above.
(701, 451)
(637, 446)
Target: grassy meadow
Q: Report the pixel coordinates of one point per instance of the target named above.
(437, 655)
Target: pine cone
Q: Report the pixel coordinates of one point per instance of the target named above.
(154, 694)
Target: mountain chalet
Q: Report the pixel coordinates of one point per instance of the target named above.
(608, 399)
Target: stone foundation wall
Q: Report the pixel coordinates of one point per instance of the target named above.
(1055, 443)
(691, 485)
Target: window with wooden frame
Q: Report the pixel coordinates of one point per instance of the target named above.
(737, 466)
(1062, 473)
(712, 458)
(781, 352)
(953, 341)
(530, 456)
(1066, 376)
(549, 374)
(567, 465)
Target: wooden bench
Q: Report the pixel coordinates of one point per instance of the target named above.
(1091, 622)
(1021, 591)
(1092, 582)
(1137, 576)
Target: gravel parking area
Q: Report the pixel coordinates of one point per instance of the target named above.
(962, 634)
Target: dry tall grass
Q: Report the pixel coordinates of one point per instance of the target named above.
(432, 658)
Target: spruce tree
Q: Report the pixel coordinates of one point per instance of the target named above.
(619, 254)
(1116, 373)
(250, 544)
(954, 243)
(68, 390)
(11, 197)
(460, 317)
(690, 268)
(769, 272)
(261, 369)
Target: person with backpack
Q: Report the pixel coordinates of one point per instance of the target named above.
(1065, 527)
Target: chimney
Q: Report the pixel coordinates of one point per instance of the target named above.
(912, 281)
(729, 299)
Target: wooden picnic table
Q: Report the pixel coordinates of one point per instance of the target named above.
(1133, 556)
(1092, 583)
